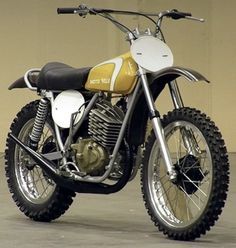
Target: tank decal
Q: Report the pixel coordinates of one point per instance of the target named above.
(118, 64)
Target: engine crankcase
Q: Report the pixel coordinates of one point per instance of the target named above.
(91, 157)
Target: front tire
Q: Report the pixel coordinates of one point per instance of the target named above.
(35, 194)
(189, 207)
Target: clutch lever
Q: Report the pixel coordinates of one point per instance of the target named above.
(195, 18)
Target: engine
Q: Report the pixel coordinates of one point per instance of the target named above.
(105, 123)
(92, 154)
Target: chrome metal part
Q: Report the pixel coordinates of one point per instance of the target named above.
(175, 94)
(118, 168)
(26, 78)
(188, 137)
(39, 122)
(195, 18)
(190, 142)
(71, 170)
(164, 148)
(157, 127)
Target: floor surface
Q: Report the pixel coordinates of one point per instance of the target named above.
(118, 220)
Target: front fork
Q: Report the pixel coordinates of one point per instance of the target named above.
(157, 126)
(189, 139)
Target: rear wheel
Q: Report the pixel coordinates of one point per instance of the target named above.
(36, 195)
(188, 207)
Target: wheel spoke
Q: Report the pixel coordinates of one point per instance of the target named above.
(165, 191)
(44, 136)
(177, 146)
(45, 191)
(34, 187)
(194, 165)
(190, 198)
(161, 184)
(176, 199)
(189, 179)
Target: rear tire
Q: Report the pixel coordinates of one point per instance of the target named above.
(188, 208)
(35, 194)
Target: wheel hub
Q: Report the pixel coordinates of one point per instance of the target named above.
(189, 174)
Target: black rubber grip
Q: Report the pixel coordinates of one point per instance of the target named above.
(66, 10)
(184, 13)
(175, 14)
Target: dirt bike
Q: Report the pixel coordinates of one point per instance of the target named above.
(87, 134)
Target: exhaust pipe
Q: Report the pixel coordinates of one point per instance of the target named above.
(81, 187)
(48, 166)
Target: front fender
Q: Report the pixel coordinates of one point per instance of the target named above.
(171, 73)
(157, 81)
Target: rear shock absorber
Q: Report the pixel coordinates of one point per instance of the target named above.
(39, 122)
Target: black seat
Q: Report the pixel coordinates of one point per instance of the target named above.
(59, 76)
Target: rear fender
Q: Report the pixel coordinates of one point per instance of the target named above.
(19, 83)
(29, 80)
(157, 81)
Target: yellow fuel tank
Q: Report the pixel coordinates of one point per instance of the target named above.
(118, 75)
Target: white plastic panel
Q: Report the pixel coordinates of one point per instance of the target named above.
(65, 104)
(151, 53)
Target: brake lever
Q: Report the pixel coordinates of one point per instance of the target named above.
(195, 18)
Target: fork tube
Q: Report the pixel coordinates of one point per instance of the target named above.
(157, 126)
(175, 94)
(190, 142)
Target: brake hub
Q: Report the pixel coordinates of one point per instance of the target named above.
(189, 174)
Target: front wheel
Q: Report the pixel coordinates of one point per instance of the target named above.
(188, 207)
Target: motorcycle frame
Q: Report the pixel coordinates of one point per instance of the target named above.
(136, 104)
(154, 116)
(168, 75)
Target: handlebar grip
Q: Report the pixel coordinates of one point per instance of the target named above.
(66, 10)
(175, 14)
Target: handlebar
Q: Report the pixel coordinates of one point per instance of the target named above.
(83, 10)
